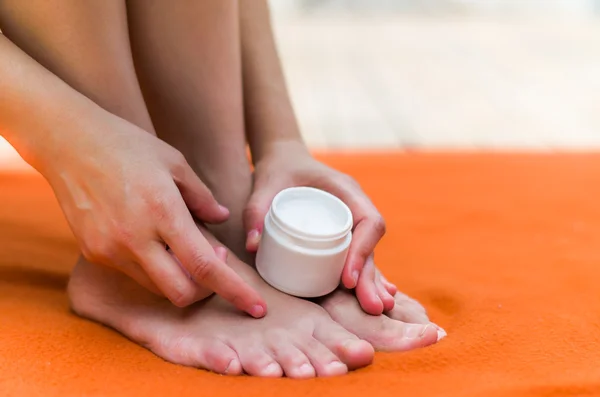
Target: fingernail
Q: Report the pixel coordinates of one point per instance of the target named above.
(224, 209)
(253, 237)
(355, 275)
(415, 331)
(257, 311)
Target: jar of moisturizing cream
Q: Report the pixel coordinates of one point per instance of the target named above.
(305, 242)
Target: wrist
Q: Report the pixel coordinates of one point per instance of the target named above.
(54, 136)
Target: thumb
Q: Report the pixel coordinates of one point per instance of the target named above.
(198, 198)
(255, 212)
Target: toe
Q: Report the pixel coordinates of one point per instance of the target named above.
(206, 354)
(391, 288)
(387, 299)
(408, 310)
(294, 362)
(322, 359)
(382, 332)
(350, 350)
(393, 335)
(221, 359)
(256, 361)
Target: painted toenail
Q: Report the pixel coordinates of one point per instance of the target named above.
(272, 369)
(415, 331)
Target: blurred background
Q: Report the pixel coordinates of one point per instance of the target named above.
(440, 74)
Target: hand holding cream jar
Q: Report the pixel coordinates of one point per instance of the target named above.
(305, 242)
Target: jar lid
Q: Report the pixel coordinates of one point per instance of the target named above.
(311, 213)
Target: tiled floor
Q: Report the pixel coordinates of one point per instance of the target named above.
(441, 82)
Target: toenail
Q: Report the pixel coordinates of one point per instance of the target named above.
(230, 366)
(337, 365)
(272, 369)
(349, 344)
(441, 333)
(415, 331)
(306, 369)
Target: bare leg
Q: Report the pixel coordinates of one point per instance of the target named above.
(188, 60)
(187, 55)
(85, 44)
(89, 49)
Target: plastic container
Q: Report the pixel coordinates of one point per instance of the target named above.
(305, 242)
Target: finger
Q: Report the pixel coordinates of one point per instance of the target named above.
(200, 292)
(369, 228)
(198, 198)
(166, 273)
(206, 269)
(137, 273)
(365, 237)
(384, 295)
(366, 290)
(255, 212)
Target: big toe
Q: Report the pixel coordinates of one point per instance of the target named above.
(382, 332)
(352, 351)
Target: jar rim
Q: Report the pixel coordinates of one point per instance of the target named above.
(333, 202)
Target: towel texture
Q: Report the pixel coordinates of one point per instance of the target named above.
(503, 250)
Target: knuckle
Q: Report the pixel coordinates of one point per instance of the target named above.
(345, 179)
(251, 211)
(124, 235)
(99, 250)
(182, 296)
(161, 206)
(379, 225)
(178, 161)
(178, 157)
(201, 267)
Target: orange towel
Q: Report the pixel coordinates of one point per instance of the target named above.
(503, 250)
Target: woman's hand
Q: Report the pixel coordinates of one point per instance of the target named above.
(127, 195)
(290, 164)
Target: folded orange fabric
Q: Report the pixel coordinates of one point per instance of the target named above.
(503, 250)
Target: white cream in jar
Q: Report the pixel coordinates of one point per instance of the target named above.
(305, 242)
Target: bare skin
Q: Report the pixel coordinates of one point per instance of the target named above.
(165, 37)
(297, 338)
(124, 192)
(203, 116)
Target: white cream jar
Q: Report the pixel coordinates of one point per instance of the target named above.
(305, 242)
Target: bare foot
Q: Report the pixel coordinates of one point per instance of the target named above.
(296, 338)
(405, 327)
